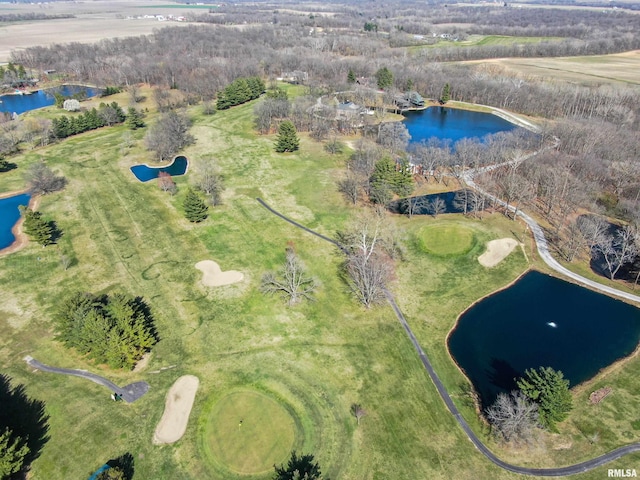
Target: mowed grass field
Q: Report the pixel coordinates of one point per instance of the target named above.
(302, 366)
(615, 69)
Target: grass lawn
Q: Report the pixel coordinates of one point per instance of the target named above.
(445, 240)
(293, 372)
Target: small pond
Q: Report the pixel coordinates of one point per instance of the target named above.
(541, 321)
(144, 173)
(453, 124)
(453, 203)
(9, 216)
(41, 98)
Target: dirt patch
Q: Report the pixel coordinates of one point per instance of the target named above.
(599, 395)
(213, 276)
(497, 250)
(177, 409)
(143, 362)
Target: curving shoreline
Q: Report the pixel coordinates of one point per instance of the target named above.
(21, 239)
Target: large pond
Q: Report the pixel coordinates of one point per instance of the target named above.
(42, 98)
(541, 321)
(9, 216)
(453, 124)
(144, 173)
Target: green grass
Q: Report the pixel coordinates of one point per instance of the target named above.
(248, 432)
(445, 240)
(313, 361)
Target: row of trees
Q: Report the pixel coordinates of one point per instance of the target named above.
(45, 232)
(240, 91)
(105, 115)
(115, 329)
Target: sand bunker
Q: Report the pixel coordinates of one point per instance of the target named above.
(214, 277)
(177, 408)
(497, 250)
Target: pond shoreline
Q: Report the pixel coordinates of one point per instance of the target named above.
(21, 239)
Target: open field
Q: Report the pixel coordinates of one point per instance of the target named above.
(94, 21)
(615, 69)
(313, 361)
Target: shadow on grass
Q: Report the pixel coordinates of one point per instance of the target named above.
(25, 417)
(125, 463)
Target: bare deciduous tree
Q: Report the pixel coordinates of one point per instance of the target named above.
(209, 180)
(368, 265)
(618, 249)
(411, 205)
(513, 417)
(350, 187)
(42, 180)
(437, 206)
(291, 282)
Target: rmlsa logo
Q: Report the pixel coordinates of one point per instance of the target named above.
(622, 473)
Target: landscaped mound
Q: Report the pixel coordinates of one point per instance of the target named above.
(177, 408)
(497, 250)
(445, 239)
(248, 432)
(213, 276)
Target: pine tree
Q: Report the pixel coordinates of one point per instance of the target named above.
(549, 389)
(13, 451)
(446, 93)
(384, 78)
(287, 140)
(134, 119)
(36, 227)
(351, 77)
(195, 209)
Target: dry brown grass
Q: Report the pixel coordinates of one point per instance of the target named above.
(615, 69)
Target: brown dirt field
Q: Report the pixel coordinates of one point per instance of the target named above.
(615, 69)
(94, 21)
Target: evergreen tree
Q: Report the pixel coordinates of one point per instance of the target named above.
(61, 127)
(301, 467)
(22, 73)
(287, 140)
(384, 78)
(257, 86)
(134, 119)
(549, 389)
(403, 181)
(36, 227)
(277, 93)
(13, 451)
(351, 77)
(2, 72)
(195, 209)
(446, 93)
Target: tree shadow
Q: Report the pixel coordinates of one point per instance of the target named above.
(141, 305)
(25, 417)
(56, 233)
(125, 463)
(7, 166)
(502, 378)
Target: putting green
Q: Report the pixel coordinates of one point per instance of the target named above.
(248, 432)
(445, 239)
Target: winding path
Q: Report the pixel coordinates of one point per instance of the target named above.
(129, 393)
(446, 398)
(543, 246)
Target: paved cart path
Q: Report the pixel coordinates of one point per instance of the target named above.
(444, 394)
(129, 393)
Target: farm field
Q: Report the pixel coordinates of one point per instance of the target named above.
(307, 364)
(615, 69)
(93, 21)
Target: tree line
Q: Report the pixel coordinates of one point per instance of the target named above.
(65, 126)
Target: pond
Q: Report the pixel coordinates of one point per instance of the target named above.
(41, 98)
(9, 216)
(453, 124)
(541, 321)
(453, 202)
(144, 173)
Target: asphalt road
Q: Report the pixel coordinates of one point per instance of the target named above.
(129, 393)
(446, 398)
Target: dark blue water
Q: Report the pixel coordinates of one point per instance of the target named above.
(42, 98)
(453, 124)
(424, 208)
(145, 173)
(9, 216)
(497, 339)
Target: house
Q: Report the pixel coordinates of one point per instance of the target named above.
(296, 77)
